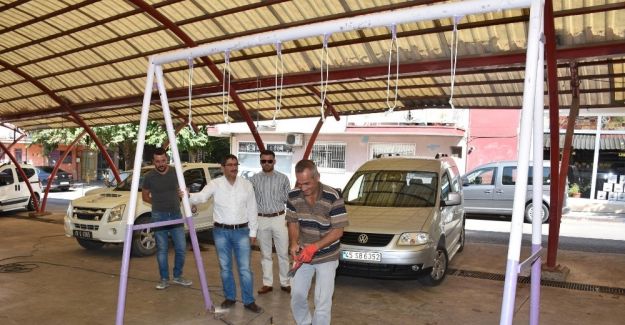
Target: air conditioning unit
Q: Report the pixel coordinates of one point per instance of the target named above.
(295, 139)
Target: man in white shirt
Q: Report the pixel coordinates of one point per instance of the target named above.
(234, 214)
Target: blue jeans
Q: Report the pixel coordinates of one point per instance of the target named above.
(162, 243)
(228, 241)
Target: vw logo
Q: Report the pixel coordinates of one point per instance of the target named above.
(363, 238)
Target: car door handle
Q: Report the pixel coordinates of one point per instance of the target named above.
(499, 191)
(488, 191)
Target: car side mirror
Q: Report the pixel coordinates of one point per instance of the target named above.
(453, 198)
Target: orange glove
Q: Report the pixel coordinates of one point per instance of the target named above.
(306, 255)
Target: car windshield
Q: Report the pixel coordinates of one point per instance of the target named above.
(127, 182)
(392, 188)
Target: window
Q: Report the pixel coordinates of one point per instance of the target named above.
(482, 176)
(329, 155)
(28, 171)
(386, 188)
(18, 155)
(195, 179)
(68, 159)
(445, 187)
(6, 177)
(510, 175)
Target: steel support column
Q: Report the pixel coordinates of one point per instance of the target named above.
(42, 209)
(65, 106)
(554, 134)
(232, 91)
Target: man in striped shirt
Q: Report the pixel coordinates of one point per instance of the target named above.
(271, 189)
(316, 217)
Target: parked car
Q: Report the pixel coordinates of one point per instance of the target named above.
(14, 193)
(62, 180)
(489, 189)
(406, 219)
(100, 218)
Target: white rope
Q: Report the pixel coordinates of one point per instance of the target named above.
(225, 95)
(394, 46)
(278, 88)
(190, 118)
(324, 83)
(454, 58)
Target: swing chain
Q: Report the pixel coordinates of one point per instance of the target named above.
(225, 97)
(394, 46)
(279, 68)
(454, 58)
(324, 82)
(190, 118)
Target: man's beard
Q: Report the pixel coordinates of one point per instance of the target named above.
(161, 168)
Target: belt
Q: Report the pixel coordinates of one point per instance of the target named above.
(221, 225)
(271, 214)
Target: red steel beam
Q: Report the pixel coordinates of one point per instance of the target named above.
(232, 90)
(554, 134)
(65, 105)
(42, 209)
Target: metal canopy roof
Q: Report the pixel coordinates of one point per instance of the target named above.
(90, 57)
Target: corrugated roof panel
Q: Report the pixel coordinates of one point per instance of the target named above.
(12, 39)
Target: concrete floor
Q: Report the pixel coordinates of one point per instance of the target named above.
(62, 283)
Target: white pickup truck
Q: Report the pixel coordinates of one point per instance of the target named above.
(101, 218)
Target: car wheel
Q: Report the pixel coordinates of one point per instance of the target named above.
(144, 240)
(31, 204)
(90, 244)
(529, 212)
(437, 272)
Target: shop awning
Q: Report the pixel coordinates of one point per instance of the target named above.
(587, 141)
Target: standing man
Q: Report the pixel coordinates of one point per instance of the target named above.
(160, 189)
(316, 217)
(272, 189)
(234, 213)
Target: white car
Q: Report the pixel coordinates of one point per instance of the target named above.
(14, 193)
(101, 218)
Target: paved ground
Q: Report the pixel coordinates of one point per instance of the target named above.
(47, 278)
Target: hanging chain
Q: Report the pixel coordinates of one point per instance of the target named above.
(454, 58)
(279, 69)
(394, 46)
(225, 95)
(190, 118)
(324, 82)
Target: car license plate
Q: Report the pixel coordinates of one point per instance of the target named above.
(64, 183)
(83, 234)
(361, 256)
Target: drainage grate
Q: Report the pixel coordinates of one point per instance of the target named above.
(545, 283)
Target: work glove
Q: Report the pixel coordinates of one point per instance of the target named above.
(306, 255)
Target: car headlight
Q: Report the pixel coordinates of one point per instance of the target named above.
(117, 213)
(413, 238)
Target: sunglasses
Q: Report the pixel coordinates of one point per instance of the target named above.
(269, 161)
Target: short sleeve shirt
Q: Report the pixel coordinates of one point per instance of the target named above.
(317, 220)
(164, 190)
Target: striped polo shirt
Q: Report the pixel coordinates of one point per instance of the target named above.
(317, 220)
(271, 191)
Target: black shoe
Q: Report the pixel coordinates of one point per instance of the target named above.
(286, 289)
(253, 307)
(228, 303)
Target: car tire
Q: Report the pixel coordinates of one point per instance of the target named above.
(144, 240)
(31, 204)
(90, 244)
(436, 274)
(529, 212)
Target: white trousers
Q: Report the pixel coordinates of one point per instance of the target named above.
(324, 274)
(273, 229)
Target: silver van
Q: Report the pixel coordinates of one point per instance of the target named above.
(406, 219)
(489, 189)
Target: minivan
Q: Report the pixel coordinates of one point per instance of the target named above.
(406, 219)
(14, 193)
(489, 189)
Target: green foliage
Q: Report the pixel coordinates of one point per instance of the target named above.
(574, 189)
(49, 139)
